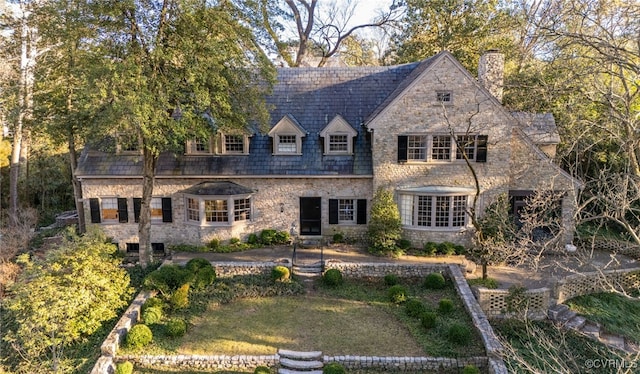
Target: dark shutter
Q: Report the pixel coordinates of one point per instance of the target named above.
(166, 210)
(362, 212)
(481, 156)
(333, 211)
(137, 205)
(403, 141)
(123, 215)
(94, 205)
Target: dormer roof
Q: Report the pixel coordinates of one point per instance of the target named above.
(288, 125)
(338, 125)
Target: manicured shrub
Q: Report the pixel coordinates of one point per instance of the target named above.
(175, 328)
(334, 368)
(445, 306)
(446, 248)
(332, 277)
(282, 237)
(262, 370)
(428, 320)
(167, 279)
(253, 239)
(234, 241)
(435, 281)
(180, 298)
(152, 315)
(460, 249)
(414, 308)
(384, 227)
(280, 273)
(124, 368)
(203, 273)
(338, 237)
(459, 334)
(139, 336)
(470, 369)
(152, 302)
(268, 237)
(404, 244)
(430, 248)
(397, 294)
(391, 279)
(214, 244)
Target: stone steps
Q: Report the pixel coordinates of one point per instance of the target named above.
(296, 362)
(561, 315)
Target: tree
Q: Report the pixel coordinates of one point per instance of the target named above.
(314, 27)
(178, 70)
(384, 228)
(65, 297)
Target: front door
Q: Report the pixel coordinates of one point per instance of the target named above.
(310, 216)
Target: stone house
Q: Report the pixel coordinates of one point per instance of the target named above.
(336, 136)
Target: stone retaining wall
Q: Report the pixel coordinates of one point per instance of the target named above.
(200, 362)
(360, 270)
(588, 283)
(494, 303)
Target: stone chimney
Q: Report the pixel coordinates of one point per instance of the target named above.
(491, 72)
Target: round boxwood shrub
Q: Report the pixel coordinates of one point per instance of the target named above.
(262, 370)
(435, 281)
(414, 308)
(280, 273)
(397, 294)
(334, 368)
(175, 328)
(428, 320)
(180, 298)
(124, 368)
(152, 315)
(167, 279)
(332, 277)
(430, 248)
(391, 279)
(203, 272)
(152, 302)
(459, 334)
(445, 306)
(470, 369)
(139, 336)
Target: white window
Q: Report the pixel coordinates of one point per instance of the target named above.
(193, 210)
(242, 209)
(156, 209)
(218, 210)
(109, 207)
(234, 144)
(466, 146)
(346, 210)
(199, 146)
(287, 144)
(338, 137)
(441, 148)
(338, 143)
(432, 211)
(417, 147)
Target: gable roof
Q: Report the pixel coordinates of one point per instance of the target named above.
(313, 97)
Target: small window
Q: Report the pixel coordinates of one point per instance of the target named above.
(234, 144)
(156, 209)
(157, 248)
(466, 146)
(338, 143)
(346, 210)
(193, 210)
(417, 147)
(199, 146)
(109, 209)
(444, 97)
(441, 149)
(287, 144)
(241, 209)
(133, 247)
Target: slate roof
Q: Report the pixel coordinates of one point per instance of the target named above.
(313, 96)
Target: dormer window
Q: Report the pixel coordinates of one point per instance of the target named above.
(127, 144)
(338, 137)
(287, 136)
(444, 97)
(199, 147)
(232, 144)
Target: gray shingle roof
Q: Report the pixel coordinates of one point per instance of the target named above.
(313, 96)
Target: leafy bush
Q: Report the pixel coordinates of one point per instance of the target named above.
(391, 279)
(459, 334)
(435, 281)
(446, 248)
(338, 237)
(384, 227)
(262, 370)
(152, 302)
(139, 336)
(268, 237)
(152, 315)
(460, 249)
(167, 279)
(253, 239)
(430, 248)
(203, 273)
(180, 298)
(124, 368)
(282, 237)
(280, 273)
(414, 308)
(175, 328)
(428, 320)
(214, 244)
(397, 294)
(234, 241)
(332, 277)
(470, 369)
(334, 368)
(404, 244)
(445, 306)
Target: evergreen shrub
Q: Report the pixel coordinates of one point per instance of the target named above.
(459, 334)
(470, 369)
(435, 281)
(180, 298)
(203, 273)
(428, 320)
(334, 368)
(175, 328)
(152, 315)
(332, 277)
(397, 294)
(139, 336)
(262, 370)
(280, 273)
(414, 308)
(445, 306)
(391, 279)
(124, 368)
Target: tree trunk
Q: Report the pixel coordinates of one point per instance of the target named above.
(144, 224)
(77, 187)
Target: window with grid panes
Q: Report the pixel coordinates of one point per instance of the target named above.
(216, 211)
(234, 144)
(432, 211)
(287, 144)
(193, 210)
(109, 209)
(466, 144)
(338, 143)
(242, 209)
(156, 208)
(441, 147)
(346, 210)
(417, 147)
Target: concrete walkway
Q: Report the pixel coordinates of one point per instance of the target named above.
(550, 268)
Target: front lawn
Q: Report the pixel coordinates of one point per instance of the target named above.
(353, 319)
(616, 313)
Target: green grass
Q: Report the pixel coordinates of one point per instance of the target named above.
(354, 319)
(541, 347)
(616, 313)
